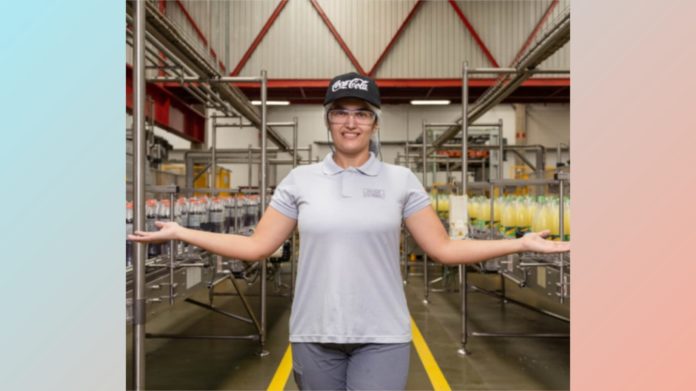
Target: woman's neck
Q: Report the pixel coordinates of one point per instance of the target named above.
(344, 161)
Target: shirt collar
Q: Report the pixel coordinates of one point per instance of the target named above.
(370, 168)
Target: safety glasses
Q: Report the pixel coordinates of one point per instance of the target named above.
(341, 116)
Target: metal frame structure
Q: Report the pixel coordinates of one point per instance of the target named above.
(466, 117)
(183, 58)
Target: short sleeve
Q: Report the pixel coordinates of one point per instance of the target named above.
(284, 198)
(416, 197)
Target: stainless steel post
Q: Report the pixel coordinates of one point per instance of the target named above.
(465, 133)
(500, 150)
(424, 145)
(250, 172)
(213, 149)
(408, 165)
(424, 162)
(490, 222)
(293, 257)
(139, 196)
(236, 214)
(561, 271)
(262, 174)
(172, 251)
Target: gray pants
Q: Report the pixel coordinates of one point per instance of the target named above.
(328, 366)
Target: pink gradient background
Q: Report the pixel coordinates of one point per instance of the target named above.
(633, 136)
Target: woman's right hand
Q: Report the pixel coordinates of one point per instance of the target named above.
(168, 230)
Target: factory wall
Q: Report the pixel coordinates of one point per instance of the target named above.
(546, 125)
(433, 45)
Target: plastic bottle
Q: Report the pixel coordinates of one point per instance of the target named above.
(164, 214)
(507, 218)
(153, 249)
(228, 215)
(129, 231)
(217, 215)
(181, 212)
(566, 218)
(194, 215)
(203, 213)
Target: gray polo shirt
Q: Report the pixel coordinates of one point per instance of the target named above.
(349, 287)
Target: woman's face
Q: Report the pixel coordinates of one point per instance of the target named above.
(351, 123)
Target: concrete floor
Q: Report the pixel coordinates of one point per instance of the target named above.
(494, 363)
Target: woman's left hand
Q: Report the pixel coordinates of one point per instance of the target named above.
(535, 242)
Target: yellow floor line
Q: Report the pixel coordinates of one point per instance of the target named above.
(282, 373)
(437, 379)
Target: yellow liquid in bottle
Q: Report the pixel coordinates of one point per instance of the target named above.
(554, 216)
(566, 220)
(485, 210)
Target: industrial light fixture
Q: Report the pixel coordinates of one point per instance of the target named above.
(271, 102)
(430, 102)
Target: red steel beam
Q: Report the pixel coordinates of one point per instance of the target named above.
(259, 38)
(337, 36)
(534, 32)
(405, 83)
(394, 38)
(170, 112)
(474, 34)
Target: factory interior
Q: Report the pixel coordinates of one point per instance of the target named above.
(225, 98)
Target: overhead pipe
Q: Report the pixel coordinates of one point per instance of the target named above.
(558, 36)
(163, 30)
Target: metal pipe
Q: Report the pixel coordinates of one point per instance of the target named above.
(213, 147)
(250, 172)
(490, 222)
(492, 70)
(214, 79)
(262, 174)
(500, 149)
(424, 145)
(139, 96)
(172, 251)
(524, 159)
(465, 168)
(559, 148)
(293, 257)
(406, 149)
(424, 135)
(557, 37)
(230, 150)
(457, 124)
(561, 272)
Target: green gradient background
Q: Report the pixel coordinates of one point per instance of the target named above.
(633, 134)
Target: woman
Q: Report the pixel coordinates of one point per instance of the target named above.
(350, 326)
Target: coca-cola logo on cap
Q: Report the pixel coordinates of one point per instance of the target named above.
(353, 84)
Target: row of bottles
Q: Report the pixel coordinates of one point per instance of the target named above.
(441, 203)
(213, 214)
(515, 215)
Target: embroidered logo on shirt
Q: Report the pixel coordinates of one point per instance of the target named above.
(373, 193)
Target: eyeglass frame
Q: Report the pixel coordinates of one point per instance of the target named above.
(353, 114)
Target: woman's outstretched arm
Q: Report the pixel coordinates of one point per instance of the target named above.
(270, 233)
(427, 230)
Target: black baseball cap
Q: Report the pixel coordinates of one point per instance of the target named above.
(353, 85)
